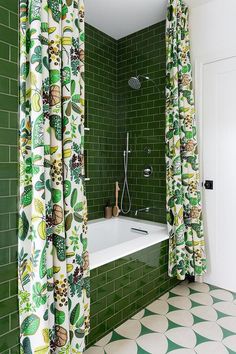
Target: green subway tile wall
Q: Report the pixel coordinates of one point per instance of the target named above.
(8, 176)
(123, 287)
(114, 108)
(143, 115)
(100, 81)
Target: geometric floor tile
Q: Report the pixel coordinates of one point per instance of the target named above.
(202, 299)
(181, 317)
(149, 342)
(180, 302)
(221, 294)
(123, 346)
(209, 330)
(131, 329)
(206, 313)
(160, 307)
(157, 323)
(230, 342)
(191, 318)
(211, 347)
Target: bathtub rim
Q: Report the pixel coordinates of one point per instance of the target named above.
(110, 254)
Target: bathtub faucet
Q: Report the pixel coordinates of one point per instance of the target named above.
(146, 210)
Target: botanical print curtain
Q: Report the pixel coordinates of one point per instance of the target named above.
(184, 212)
(53, 257)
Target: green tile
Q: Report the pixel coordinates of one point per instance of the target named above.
(13, 253)
(114, 297)
(4, 16)
(99, 305)
(93, 294)
(4, 325)
(15, 320)
(8, 306)
(13, 154)
(4, 50)
(10, 5)
(6, 351)
(122, 303)
(9, 340)
(8, 35)
(106, 267)
(106, 313)
(8, 170)
(8, 102)
(8, 272)
(97, 332)
(98, 281)
(121, 282)
(4, 117)
(114, 273)
(130, 310)
(14, 187)
(114, 320)
(4, 153)
(105, 290)
(13, 287)
(8, 238)
(7, 204)
(14, 54)
(93, 321)
(13, 220)
(14, 120)
(4, 290)
(13, 21)
(4, 256)
(14, 87)
(4, 85)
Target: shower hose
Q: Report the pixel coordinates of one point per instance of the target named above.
(125, 185)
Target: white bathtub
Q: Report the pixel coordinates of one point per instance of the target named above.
(112, 239)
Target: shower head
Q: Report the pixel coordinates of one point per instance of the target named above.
(135, 82)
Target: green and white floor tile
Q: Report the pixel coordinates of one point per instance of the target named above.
(191, 318)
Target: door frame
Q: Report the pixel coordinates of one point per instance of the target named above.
(199, 63)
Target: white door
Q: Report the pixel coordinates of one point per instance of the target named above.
(219, 166)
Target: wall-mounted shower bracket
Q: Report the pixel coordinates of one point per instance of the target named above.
(148, 150)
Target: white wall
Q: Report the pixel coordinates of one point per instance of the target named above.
(212, 26)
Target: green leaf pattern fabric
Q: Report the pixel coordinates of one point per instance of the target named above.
(184, 211)
(53, 258)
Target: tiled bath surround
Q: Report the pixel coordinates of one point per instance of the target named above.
(121, 288)
(143, 116)
(8, 176)
(125, 286)
(114, 108)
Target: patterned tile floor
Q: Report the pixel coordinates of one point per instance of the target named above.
(191, 318)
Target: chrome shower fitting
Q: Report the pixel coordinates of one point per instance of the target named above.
(146, 210)
(135, 82)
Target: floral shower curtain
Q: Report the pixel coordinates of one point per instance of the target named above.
(184, 212)
(53, 257)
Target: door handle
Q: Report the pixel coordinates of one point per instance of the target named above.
(209, 184)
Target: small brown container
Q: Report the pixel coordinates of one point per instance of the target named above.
(108, 210)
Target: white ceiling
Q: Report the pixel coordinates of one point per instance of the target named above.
(119, 18)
